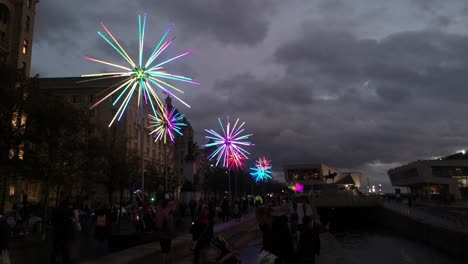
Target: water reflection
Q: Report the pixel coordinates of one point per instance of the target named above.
(367, 248)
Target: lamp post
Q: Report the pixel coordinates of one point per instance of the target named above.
(142, 171)
(165, 166)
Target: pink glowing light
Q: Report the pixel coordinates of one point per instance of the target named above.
(229, 143)
(297, 187)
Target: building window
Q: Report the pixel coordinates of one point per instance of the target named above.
(4, 14)
(2, 36)
(14, 120)
(25, 46)
(92, 113)
(12, 190)
(29, 3)
(21, 151)
(28, 23)
(11, 153)
(91, 98)
(75, 99)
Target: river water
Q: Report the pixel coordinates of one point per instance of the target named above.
(370, 248)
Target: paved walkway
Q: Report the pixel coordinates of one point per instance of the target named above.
(150, 253)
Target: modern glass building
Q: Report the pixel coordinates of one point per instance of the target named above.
(321, 176)
(444, 178)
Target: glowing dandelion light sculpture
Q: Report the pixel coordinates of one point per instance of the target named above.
(229, 144)
(166, 123)
(141, 77)
(236, 163)
(261, 172)
(263, 162)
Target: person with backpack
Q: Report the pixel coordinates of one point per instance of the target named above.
(102, 230)
(202, 233)
(165, 228)
(4, 240)
(63, 230)
(309, 242)
(277, 243)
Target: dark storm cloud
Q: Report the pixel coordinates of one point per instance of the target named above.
(352, 102)
(56, 25)
(232, 22)
(362, 85)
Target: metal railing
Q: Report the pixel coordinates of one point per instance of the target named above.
(458, 222)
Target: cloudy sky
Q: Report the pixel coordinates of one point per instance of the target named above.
(361, 85)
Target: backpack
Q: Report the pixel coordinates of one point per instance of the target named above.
(101, 220)
(160, 221)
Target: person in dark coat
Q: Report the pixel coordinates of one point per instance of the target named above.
(62, 222)
(202, 233)
(4, 235)
(276, 235)
(225, 209)
(102, 230)
(192, 206)
(309, 241)
(165, 228)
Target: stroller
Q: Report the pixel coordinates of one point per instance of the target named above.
(224, 249)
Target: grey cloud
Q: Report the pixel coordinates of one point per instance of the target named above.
(232, 22)
(389, 99)
(56, 25)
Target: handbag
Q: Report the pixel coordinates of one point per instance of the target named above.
(5, 257)
(77, 226)
(266, 257)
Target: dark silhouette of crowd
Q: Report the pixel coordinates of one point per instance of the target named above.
(289, 235)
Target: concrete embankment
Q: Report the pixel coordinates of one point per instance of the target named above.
(448, 241)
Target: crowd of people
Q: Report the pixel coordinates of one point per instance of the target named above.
(290, 233)
(161, 219)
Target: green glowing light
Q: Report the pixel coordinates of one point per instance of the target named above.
(140, 74)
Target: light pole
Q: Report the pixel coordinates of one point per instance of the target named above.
(165, 165)
(141, 150)
(229, 188)
(235, 178)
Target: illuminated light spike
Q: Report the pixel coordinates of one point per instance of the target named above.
(124, 104)
(236, 161)
(130, 61)
(227, 148)
(111, 74)
(166, 123)
(259, 174)
(168, 85)
(165, 45)
(263, 162)
(175, 58)
(166, 76)
(125, 56)
(106, 63)
(169, 93)
(110, 94)
(157, 46)
(146, 80)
